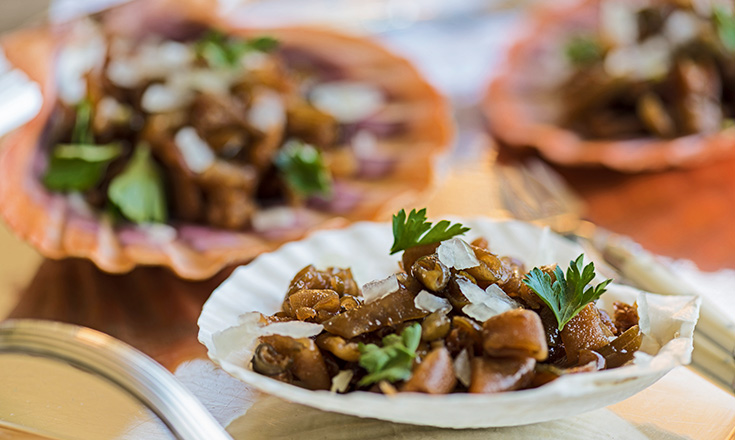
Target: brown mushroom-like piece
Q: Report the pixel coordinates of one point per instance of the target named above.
(347, 351)
(503, 374)
(515, 333)
(622, 348)
(431, 272)
(307, 364)
(269, 362)
(490, 270)
(435, 375)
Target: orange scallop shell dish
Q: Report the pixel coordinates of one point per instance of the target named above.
(523, 106)
(55, 223)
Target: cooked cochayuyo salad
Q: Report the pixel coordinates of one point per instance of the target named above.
(455, 318)
(209, 129)
(662, 68)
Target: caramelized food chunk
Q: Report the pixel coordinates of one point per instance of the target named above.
(622, 348)
(515, 333)
(504, 374)
(435, 375)
(306, 362)
(585, 331)
(390, 310)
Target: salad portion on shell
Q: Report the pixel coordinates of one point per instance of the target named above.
(457, 336)
(179, 139)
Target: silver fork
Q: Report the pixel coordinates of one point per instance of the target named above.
(534, 192)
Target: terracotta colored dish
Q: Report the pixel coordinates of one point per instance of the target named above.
(523, 108)
(58, 228)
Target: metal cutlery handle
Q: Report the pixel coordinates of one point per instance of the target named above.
(129, 369)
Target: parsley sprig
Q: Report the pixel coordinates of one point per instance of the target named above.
(583, 50)
(566, 296)
(137, 192)
(414, 230)
(725, 24)
(302, 167)
(220, 50)
(394, 360)
(80, 164)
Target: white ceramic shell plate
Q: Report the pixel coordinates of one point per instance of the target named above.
(668, 323)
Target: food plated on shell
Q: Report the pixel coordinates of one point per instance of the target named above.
(169, 136)
(479, 323)
(629, 85)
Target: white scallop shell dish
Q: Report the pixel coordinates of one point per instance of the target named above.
(667, 323)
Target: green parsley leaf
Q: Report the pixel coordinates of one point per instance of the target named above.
(394, 360)
(79, 165)
(582, 50)
(138, 191)
(82, 133)
(223, 51)
(303, 169)
(566, 296)
(264, 44)
(415, 230)
(725, 24)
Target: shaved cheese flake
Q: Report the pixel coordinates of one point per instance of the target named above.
(471, 291)
(160, 98)
(348, 101)
(254, 322)
(485, 303)
(279, 217)
(159, 233)
(124, 73)
(479, 312)
(293, 329)
(85, 52)
(374, 290)
(456, 253)
(462, 369)
(196, 153)
(341, 381)
(431, 303)
(266, 111)
(497, 296)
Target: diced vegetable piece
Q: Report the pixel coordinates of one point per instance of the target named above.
(497, 375)
(622, 348)
(585, 331)
(515, 333)
(393, 309)
(435, 375)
